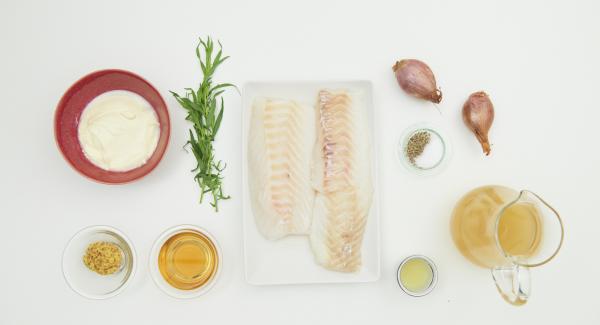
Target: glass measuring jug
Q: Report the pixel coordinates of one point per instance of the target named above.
(508, 232)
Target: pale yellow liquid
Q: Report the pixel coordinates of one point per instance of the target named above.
(416, 275)
(519, 230)
(474, 231)
(188, 260)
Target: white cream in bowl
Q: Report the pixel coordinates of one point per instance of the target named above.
(118, 130)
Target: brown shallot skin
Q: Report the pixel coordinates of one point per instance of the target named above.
(416, 78)
(478, 115)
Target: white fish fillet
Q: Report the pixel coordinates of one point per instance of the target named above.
(282, 135)
(342, 179)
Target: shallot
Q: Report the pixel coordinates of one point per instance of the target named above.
(478, 115)
(416, 78)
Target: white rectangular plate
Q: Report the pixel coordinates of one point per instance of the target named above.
(290, 260)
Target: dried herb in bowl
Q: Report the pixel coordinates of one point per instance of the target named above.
(423, 150)
(416, 145)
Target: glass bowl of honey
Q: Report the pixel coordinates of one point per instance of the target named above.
(185, 261)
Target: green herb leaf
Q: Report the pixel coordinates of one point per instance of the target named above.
(206, 116)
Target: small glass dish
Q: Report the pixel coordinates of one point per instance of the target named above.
(202, 243)
(435, 154)
(417, 275)
(86, 282)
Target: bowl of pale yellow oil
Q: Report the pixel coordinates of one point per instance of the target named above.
(185, 261)
(417, 275)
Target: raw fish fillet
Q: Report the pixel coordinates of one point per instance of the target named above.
(342, 179)
(281, 139)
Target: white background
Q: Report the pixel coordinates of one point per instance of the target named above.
(537, 59)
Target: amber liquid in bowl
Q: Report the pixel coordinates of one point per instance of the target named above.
(188, 260)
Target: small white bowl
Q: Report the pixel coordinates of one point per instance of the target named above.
(86, 282)
(437, 133)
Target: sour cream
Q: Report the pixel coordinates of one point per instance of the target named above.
(118, 130)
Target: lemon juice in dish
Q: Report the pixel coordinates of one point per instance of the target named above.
(417, 275)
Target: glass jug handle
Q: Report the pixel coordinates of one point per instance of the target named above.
(513, 283)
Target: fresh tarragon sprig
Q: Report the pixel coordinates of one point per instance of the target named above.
(205, 111)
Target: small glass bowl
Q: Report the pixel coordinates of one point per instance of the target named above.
(86, 282)
(160, 281)
(432, 283)
(439, 139)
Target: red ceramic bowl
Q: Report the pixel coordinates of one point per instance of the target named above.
(72, 104)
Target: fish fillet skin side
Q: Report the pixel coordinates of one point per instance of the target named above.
(281, 137)
(341, 177)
